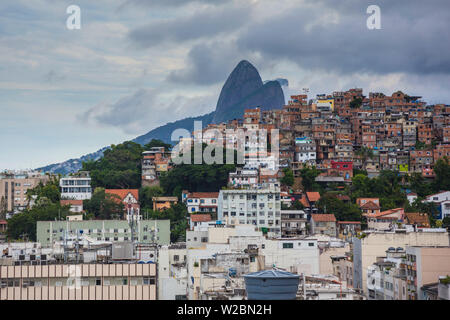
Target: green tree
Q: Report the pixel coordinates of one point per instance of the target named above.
(119, 168)
(157, 143)
(297, 205)
(365, 154)
(356, 103)
(309, 176)
(23, 225)
(288, 177)
(104, 206)
(177, 214)
(418, 184)
(147, 193)
(197, 177)
(329, 203)
(3, 208)
(442, 175)
(446, 222)
(49, 190)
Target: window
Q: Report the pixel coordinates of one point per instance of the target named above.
(288, 245)
(176, 257)
(124, 281)
(311, 244)
(98, 282)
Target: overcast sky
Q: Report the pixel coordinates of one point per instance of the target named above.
(137, 64)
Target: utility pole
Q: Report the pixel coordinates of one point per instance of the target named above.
(304, 286)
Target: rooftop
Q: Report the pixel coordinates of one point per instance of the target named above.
(122, 193)
(323, 217)
(313, 196)
(200, 217)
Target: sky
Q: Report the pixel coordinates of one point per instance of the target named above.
(137, 64)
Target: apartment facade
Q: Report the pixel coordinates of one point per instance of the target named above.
(258, 207)
(76, 187)
(79, 282)
(146, 231)
(14, 187)
(424, 265)
(369, 246)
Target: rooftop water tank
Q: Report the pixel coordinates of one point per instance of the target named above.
(271, 285)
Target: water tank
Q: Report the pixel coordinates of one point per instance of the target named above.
(271, 285)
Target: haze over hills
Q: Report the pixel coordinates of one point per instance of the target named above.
(243, 89)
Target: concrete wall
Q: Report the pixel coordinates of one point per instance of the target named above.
(301, 259)
(366, 250)
(325, 265)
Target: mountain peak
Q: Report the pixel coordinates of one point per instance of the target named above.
(245, 89)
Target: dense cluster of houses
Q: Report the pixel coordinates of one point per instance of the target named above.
(254, 222)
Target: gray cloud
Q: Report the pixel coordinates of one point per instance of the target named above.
(207, 64)
(53, 76)
(146, 109)
(206, 23)
(168, 3)
(411, 39)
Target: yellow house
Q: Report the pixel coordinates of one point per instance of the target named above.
(162, 203)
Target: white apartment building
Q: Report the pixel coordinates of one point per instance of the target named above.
(204, 202)
(77, 187)
(258, 207)
(299, 255)
(385, 280)
(172, 272)
(294, 255)
(441, 199)
(244, 177)
(305, 150)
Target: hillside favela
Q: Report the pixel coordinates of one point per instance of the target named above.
(153, 152)
(354, 205)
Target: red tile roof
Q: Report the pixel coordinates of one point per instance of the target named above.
(421, 219)
(370, 206)
(122, 193)
(323, 217)
(349, 222)
(200, 217)
(304, 202)
(343, 197)
(203, 195)
(71, 202)
(313, 196)
(3, 222)
(385, 213)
